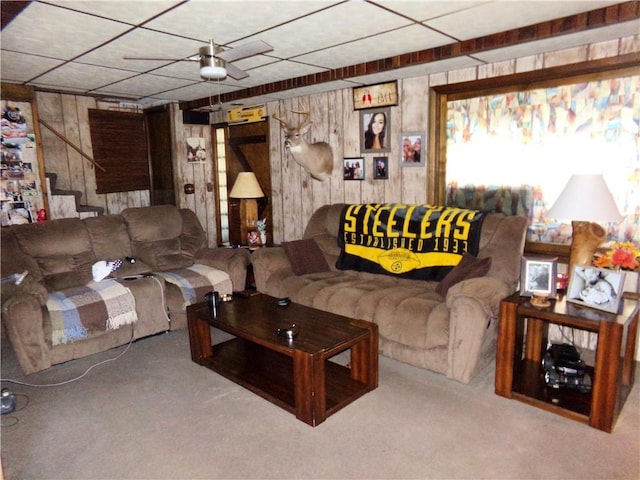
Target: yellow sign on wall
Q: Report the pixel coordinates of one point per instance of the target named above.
(246, 114)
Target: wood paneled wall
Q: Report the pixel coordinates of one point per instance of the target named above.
(69, 116)
(295, 194)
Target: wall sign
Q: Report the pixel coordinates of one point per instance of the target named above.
(246, 114)
(380, 95)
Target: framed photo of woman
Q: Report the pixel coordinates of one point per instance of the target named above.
(374, 130)
(412, 148)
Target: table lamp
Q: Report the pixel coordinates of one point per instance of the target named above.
(584, 200)
(247, 189)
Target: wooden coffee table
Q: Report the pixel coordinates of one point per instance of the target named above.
(297, 374)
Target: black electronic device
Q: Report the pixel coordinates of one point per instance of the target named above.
(563, 368)
(7, 401)
(555, 379)
(564, 358)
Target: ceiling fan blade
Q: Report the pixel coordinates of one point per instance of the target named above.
(244, 51)
(235, 72)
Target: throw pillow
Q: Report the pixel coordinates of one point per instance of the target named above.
(305, 256)
(469, 267)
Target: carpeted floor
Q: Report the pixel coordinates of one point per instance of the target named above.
(154, 414)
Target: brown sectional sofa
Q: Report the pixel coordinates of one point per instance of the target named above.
(454, 335)
(59, 255)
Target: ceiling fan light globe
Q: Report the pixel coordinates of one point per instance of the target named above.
(213, 72)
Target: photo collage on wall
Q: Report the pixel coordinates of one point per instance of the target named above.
(18, 185)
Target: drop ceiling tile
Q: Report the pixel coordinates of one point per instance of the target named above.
(277, 71)
(406, 39)
(83, 77)
(192, 92)
(134, 12)
(56, 33)
(425, 10)
(209, 19)
(492, 17)
(330, 27)
(18, 67)
(143, 86)
(143, 43)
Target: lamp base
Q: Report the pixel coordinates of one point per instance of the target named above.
(248, 215)
(586, 238)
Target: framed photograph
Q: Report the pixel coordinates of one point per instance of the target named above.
(374, 130)
(353, 168)
(196, 152)
(596, 288)
(538, 274)
(253, 238)
(380, 95)
(412, 148)
(380, 168)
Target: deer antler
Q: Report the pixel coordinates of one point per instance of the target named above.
(286, 125)
(306, 117)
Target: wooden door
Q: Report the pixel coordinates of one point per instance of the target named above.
(160, 165)
(247, 150)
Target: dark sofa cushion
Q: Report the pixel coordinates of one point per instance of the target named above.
(469, 267)
(305, 256)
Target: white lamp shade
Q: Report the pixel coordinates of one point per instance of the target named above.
(246, 186)
(586, 198)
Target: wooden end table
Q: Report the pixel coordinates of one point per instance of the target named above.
(297, 374)
(522, 340)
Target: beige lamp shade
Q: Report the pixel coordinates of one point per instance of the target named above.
(586, 198)
(246, 186)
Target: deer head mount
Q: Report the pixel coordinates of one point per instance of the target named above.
(315, 158)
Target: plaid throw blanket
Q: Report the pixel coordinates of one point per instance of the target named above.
(96, 307)
(197, 280)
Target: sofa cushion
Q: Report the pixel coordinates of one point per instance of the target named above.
(62, 250)
(469, 267)
(305, 256)
(109, 237)
(156, 236)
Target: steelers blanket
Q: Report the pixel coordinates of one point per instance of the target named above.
(411, 241)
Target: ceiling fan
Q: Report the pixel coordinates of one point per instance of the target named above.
(215, 61)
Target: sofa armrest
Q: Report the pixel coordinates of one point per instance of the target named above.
(266, 262)
(22, 316)
(473, 306)
(234, 261)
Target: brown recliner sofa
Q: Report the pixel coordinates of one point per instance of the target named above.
(454, 334)
(59, 255)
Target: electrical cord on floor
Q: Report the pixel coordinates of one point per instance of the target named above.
(17, 382)
(14, 420)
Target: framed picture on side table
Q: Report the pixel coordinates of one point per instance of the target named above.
(596, 287)
(538, 274)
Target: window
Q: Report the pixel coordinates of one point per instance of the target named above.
(514, 147)
(119, 141)
(221, 171)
